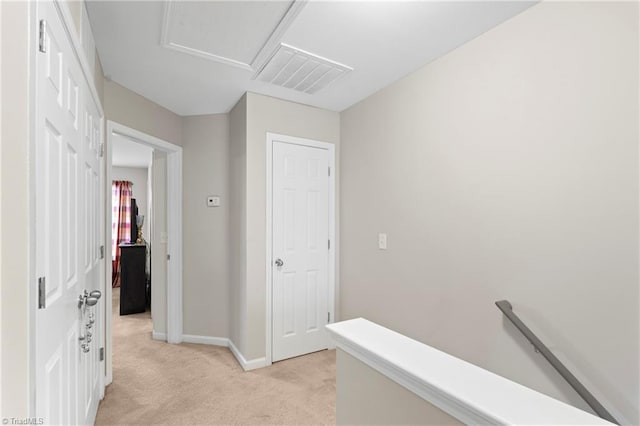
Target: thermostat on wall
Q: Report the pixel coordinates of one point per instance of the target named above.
(213, 201)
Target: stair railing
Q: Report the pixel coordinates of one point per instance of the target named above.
(573, 381)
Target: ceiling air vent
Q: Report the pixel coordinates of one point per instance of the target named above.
(299, 70)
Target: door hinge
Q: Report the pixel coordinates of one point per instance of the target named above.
(101, 252)
(101, 354)
(328, 317)
(42, 290)
(101, 153)
(168, 257)
(329, 244)
(41, 39)
(329, 171)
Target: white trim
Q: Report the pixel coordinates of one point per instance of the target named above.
(108, 289)
(174, 247)
(141, 137)
(205, 340)
(155, 335)
(33, 294)
(435, 376)
(174, 230)
(452, 407)
(269, 47)
(265, 52)
(104, 282)
(331, 270)
(206, 55)
(247, 365)
(216, 341)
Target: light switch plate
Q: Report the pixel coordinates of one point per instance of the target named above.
(382, 241)
(213, 201)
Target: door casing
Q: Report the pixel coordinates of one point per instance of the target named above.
(331, 272)
(174, 231)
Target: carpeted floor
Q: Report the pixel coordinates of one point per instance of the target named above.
(158, 383)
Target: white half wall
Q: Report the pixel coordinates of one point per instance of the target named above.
(367, 397)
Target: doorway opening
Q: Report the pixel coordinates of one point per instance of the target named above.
(132, 182)
(161, 228)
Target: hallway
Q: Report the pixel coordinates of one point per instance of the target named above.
(158, 383)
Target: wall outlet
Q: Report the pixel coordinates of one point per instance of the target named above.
(382, 241)
(213, 201)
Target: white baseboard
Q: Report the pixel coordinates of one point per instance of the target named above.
(158, 336)
(205, 340)
(247, 365)
(251, 364)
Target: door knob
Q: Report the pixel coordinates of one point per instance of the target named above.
(279, 262)
(90, 301)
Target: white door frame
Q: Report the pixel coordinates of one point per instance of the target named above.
(174, 231)
(331, 271)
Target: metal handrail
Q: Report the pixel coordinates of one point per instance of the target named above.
(507, 310)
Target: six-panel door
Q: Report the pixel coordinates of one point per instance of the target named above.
(300, 241)
(67, 235)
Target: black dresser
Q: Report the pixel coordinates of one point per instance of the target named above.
(133, 278)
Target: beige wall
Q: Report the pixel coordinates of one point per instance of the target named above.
(158, 228)
(132, 110)
(205, 229)
(16, 322)
(366, 397)
(508, 169)
(253, 116)
(266, 114)
(238, 223)
(139, 177)
(125, 107)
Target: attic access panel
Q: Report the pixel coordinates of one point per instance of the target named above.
(233, 33)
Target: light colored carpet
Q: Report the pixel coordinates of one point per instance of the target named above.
(158, 383)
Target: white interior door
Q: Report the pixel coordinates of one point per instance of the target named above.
(67, 188)
(300, 249)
